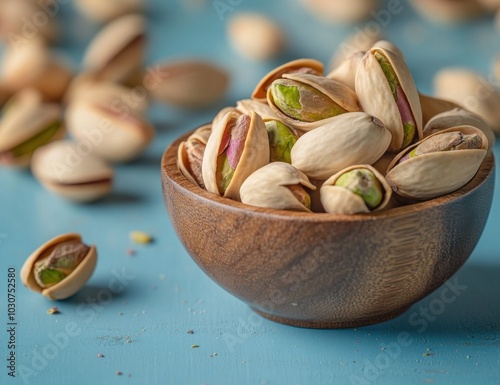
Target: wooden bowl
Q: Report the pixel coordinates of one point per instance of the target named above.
(324, 270)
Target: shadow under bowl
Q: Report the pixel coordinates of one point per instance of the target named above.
(325, 270)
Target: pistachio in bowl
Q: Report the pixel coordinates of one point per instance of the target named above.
(355, 228)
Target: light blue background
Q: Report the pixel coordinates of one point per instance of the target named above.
(142, 330)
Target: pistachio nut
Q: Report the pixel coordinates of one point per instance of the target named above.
(307, 66)
(277, 185)
(72, 171)
(117, 51)
(439, 164)
(386, 90)
(190, 155)
(104, 11)
(345, 72)
(115, 134)
(471, 91)
(190, 83)
(60, 267)
(459, 117)
(355, 190)
(255, 36)
(237, 147)
(281, 141)
(432, 106)
(27, 125)
(342, 11)
(448, 11)
(353, 138)
(305, 101)
(358, 42)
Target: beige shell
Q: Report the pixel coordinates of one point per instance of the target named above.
(347, 139)
(448, 11)
(69, 285)
(255, 36)
(389, 46)
(432, 106)
(201, 135)
(339, 200)
(114, 135)
(190, 83)
(375, 95)
(338, 92)
(432, 175)
(358, 42)
(471, 91)
(341, 10)
(255, 154)
(222, 113)
(266, 187)
(345, 72)
(310, 65)
(459, 117)
(107, 10)
(248, 105)
(23, 121)
(71, 170)
(117, 51)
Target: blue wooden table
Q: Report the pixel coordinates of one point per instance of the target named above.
(155, 318)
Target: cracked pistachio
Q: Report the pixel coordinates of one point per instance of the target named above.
(277, 185)
(60, 267)
(305, 101)
(237, 147)
(439, 164)
(190, 155)
(386, 90)
(347, 139)
(304, 66)
(355, 190)
(281, 141)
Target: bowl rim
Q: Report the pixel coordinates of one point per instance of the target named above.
(170, 170)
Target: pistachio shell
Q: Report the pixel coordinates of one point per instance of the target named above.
(472, 91)
(388, 46)
(222, 113)
(342, 95)
(114, 135)
(347, 139)
(357, 42)
(255, 154)
(267, 187)
(199, 137)
(116, 53)
(26, 126)
(69, 285)
(432, 106)
(459, 117)
(70, 170)
(255, 36)
(300, 65)
(248, 105)
(376, 97)
(191, 83)
(448, 11)
(340, 200)
(340, 10)
(345, 72)
(107, 10)
(434, 174)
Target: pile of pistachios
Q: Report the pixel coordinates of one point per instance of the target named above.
(103, 106)
(354, 141)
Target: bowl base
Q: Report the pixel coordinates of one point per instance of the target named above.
(331, 324)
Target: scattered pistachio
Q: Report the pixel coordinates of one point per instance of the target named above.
(141, 237)
(53, 310)
(195, 346)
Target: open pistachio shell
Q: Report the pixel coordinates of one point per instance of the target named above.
(434, 174)
(432, 106)
(269, 187)
(338, 93)
(392, 101)
(345, 72)
(26, 126)
(107, 10)
(310, 66)
(190, 155)
(459, 117)
(341, 200)
(347, 139)
(190, 83)
(232, 154)
(72, 171)
(115, 135)
(116, 53)
(71, 283)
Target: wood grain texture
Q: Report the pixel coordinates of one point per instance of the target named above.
(324, 270)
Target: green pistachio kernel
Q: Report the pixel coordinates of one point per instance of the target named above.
(36, 141)
(281, 141)
(365, 184)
